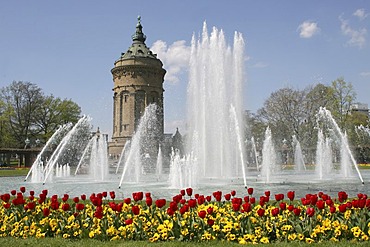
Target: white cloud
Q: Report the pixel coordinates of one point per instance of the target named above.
(365, 74)
(360, 13)
(308, 29)
(357, 37)
(174, 57)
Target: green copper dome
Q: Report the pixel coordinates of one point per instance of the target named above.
(138, 49)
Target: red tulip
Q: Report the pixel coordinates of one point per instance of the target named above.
(291, 195)
(6, 205)
(13, 192)
(252, 200)
(173, 206)
(332, 209)
(182, 192)
(192, 203)
(247, 207)
(184, 209)
(54, 205)
(160, 203)
(127, 200)
(23, 189)
(343, 208)
(275, 211)
(233, 192)
(112, 195)
(32, 193)
(267, 193)
(76, 199)
(310, 212)
(46, 212)
(202, 214)
(320, 204)
(148, 194)
(83, 197)
(279, 197)
(189, 191)
(128, 222)
(236, 207)
(297, 211)
(65, 197)
(80, 206)
(112, 205)
(210, 222)
(227, 197)
(282, 205)
(149, 201)
(66, 207)
(261, 212)
(98, 212)
(170, 212)
(342, 196)
(5, 197)
(250, 191)
(290, 208)
(209, 210)
(31, 205)
(201, 200)
(135, 210)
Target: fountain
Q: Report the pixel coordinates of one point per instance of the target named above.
(68, 142)
(324, 167)
(214, 110)
(139, 160)
(38, 167)
(269, 165)
(214, 153)
(299, 164)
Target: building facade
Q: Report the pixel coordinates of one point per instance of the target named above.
(138, 77)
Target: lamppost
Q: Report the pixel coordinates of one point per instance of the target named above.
(27, 142)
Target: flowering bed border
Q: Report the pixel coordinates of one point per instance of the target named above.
(187, 217)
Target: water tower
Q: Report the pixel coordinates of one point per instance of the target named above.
(138, 78)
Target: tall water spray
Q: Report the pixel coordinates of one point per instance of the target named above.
(72, 141)
(269, 164)
(299, 164)
(143, 148)
(324, 163)
(347, 160)
(215, 87)
(38, 165)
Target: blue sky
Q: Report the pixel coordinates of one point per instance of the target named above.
(68, 47)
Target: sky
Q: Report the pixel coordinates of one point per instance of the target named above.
(68, 47)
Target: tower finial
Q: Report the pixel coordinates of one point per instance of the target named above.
(139, 35)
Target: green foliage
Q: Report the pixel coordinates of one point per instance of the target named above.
(25, 112)
(293, 112)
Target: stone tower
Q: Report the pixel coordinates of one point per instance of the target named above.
(138, 81)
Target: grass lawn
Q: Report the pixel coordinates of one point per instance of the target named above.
(13, 172)
(9, 241)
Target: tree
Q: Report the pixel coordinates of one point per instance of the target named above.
(315, 97)
(343, 96)
(53, 113)
(284, 113)
(22, 99)
(27, 113)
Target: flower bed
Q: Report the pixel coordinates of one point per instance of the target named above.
(187, 217)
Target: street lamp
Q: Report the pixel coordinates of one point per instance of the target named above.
(27, 141)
